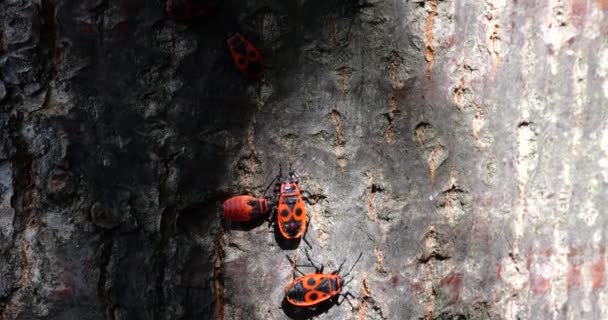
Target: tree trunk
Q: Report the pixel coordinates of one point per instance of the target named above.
(461, 146)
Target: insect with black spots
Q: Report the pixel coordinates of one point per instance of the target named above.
(188, 9)
(285, 208)
(247, 58)
(291, 217)
(311, 290)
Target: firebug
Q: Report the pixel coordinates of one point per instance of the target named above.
(247, 58)
(310, 290)
(291, 216)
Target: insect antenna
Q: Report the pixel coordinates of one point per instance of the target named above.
(347, 281)
(270, 184)
(345, 297)
(354, 264)
(340, 267)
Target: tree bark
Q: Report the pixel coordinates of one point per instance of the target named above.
(461, 146)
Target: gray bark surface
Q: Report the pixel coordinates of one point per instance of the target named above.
(461, 146)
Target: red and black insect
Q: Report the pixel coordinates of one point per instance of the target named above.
(291, 216)
(311, 290)
(244, 208)
(248, 60)
(188, 9)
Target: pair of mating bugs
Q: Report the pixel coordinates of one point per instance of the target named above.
(247, 58)
(308, 290)
(290, 214)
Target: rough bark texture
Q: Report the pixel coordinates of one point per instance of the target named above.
(462, 146)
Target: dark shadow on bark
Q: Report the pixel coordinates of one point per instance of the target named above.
(244, 226)
(145, 138)
(124, 163)
(302, 313)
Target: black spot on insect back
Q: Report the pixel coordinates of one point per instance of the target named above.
(334, 283)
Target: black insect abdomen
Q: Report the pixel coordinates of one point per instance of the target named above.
(292, 227)
(324, 286)
(296, 292)
(256, 211)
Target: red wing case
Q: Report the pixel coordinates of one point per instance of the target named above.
(244, 208)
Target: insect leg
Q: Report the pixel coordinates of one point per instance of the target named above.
(306, 241)
(354, 264)
(305, 194)
(271, 218)
(347, 281)
(345, 297)
(270, 184)
(296, 176)
(306, 231)
(318, 269)
(272, 200)
(296, 266)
